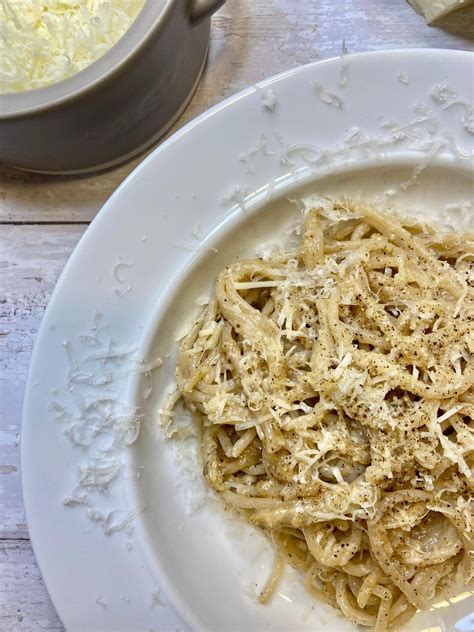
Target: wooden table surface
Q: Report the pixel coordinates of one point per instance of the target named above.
(43, 217)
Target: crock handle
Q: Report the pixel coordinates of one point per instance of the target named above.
(200, 9)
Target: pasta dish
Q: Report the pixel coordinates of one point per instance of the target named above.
(332, 392)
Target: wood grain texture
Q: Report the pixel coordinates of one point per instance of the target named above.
(31, 260)
(24, 605)
(43, 217)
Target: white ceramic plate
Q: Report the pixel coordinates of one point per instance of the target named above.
(129, 552)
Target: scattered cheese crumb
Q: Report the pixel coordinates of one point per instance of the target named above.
(237, 197)
(328, 97)
(344, 71)
(202, 300)
(424, 163)
(467, 120)
(268, 98)
(442, 94)
(403, 78)
(118, 268)
(261, 147)
(121, 293)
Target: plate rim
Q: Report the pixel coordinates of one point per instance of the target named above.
(103, 216)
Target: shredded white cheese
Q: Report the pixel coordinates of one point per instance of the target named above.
(442, 94)
(403, 78)
(328, 97)
(236, 197)
(467, 120)
(118, 269)
(94, 418)
(269, 99)
(44, 42)
(344, 70)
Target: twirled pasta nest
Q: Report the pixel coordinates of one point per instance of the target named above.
(332, 389)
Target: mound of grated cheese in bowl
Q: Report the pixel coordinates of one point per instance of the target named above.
(45, 41)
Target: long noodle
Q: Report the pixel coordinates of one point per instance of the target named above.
(333, 390)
